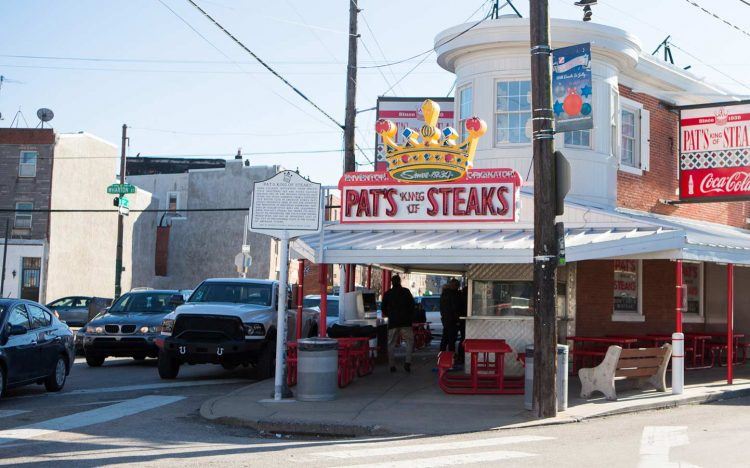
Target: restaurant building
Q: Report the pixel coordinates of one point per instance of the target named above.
(628, 244)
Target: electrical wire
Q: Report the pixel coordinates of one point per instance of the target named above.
(206, 155)
(174, 61)
(265, 65)
(380, 49)
(731, 25)
(253, 134)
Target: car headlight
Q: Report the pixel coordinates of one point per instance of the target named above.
(152, 329)
(167, 326)
(94, 329)
(254, 329)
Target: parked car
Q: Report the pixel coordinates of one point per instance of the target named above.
(129, 327)
(229, 322)
(77, 310)
(431, 306)
(35, 346)
(312, 302)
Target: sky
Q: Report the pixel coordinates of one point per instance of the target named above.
(185, 89)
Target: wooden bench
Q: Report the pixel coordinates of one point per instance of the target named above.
(648, 365)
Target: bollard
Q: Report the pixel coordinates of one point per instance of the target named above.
(562, 377)
(678, 363)
(528, 388)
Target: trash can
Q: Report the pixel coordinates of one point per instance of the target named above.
(317, 369)
(561, 380)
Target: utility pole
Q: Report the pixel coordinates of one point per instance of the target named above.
(5, 255)
(545, 242)
(120, 218)
(351, 90)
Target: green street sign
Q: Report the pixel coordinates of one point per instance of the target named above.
(123, 202)
(120, 189)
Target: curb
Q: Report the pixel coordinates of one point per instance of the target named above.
(336, 430)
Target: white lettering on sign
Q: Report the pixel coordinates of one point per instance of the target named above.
(286, 202)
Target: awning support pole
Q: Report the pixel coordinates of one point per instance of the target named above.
(678, 310)
(352, 277)
(678, 339)
(369, 276)
(322, 318)
(300, 295)
(730, 323)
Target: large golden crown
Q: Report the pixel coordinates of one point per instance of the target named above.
(436, 157)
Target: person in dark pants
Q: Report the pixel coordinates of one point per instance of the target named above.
(398, 306)
(449, 315)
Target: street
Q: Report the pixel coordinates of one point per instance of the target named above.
(123, 413)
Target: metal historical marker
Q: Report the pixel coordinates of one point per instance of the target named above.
(285, 206)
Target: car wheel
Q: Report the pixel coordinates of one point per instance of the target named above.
(139, 357)
(266, 364)
(95, 359)
(2, 381)
(168, 366)
(56, 380)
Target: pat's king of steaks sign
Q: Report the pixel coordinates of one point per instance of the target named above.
(429, 179)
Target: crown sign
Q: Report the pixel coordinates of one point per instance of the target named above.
(436, 156)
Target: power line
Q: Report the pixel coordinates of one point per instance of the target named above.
(377, 44)
(710, 66)
(206, 155)
(175, 61)
(265, 65)
(745, 2)
(253, 134)
(731, 25)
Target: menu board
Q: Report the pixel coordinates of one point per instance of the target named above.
(626, 286)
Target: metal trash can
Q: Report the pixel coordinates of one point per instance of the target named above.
(561, 381)
(317, 369)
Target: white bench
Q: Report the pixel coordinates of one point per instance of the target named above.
(648, 365)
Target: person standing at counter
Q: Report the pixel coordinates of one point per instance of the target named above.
(450, 311)
(398, 306)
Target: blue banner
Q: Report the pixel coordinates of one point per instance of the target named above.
(572, 88)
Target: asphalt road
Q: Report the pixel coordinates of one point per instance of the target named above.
(123, 413)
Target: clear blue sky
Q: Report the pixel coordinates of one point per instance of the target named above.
(165, 77)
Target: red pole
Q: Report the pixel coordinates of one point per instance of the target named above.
(322, 320)
(730, 322)
(678, 309)
(300, 294)
(369, 276)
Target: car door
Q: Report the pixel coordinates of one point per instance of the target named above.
(79, 313)
(47, 343)
(20, 350)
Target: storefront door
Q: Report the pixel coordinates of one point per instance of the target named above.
(30, 276)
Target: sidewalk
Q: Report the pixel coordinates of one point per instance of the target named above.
(385, 403)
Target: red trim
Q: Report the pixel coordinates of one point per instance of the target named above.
(711, 119)
(473, 176)
(678, 311)
(322, 318)
(409, 114)
(730, 323)
(300, 295)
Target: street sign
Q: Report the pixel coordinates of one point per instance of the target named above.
(286, 205)
(124, 210)
(120, 189)
(242, 261)
(246, 248)
(124, 202)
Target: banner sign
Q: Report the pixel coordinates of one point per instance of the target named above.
(483, 195)
(572, 88)
(715, 152)
(407, 113)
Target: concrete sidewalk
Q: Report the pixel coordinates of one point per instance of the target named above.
(385, 403)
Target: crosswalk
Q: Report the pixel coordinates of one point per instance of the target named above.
(420, 454)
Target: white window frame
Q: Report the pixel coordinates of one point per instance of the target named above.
(618, 316)
(29, 166)
(700, 318)
(23, 216)
(461, 122)
(495, 113)
(573, 145)
(642, 137)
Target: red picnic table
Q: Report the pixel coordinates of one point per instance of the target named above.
(595, 347)
(486, 376)
(719, 344)
(355, 358)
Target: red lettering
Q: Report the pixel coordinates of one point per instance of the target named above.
(472, 204)
(502, 198)
(488, 193)
(445, 191)
(352, 199)
(363, 207)
(376, 194)
(458, 201)
(390, 196)
(433, 209)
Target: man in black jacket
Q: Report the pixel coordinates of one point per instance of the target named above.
(398, 306)
(450, 311)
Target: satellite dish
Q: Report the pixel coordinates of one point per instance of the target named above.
(45, 115)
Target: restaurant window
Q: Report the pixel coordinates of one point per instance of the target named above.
(692, 277)
(23, 215)
(27, 164)
(627, 291)
(578, 139)
(501, 299)
(634, 138)
(465, 106)
(173, 204)
(513, 112)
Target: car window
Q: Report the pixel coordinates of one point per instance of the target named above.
(238, 293)
(64, 302)
(431, 304)
(311, 302)
(18, 316)
(81, 302)
(332, 308)
(146, 302)
(39, 318)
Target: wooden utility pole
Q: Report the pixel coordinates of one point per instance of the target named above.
(120, 216)
(351, 90)
(5, 255)
(545, 242)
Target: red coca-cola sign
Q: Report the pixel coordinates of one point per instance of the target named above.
(715, 152)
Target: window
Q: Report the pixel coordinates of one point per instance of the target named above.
(146, 303)
(39, 318)
(466, 103)
(578, 138)
(27, 166)
(513, 112)
(23, 215)
(18, 316)
(237, 293)
(634, 137)
(627, 291)
(692, 277)
(64, 302)
(502, 299)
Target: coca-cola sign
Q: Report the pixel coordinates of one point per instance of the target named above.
(715, 152)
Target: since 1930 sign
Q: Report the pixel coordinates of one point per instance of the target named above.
(483, 195)
(715, 152)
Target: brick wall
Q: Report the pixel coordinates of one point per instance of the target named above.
(660, 182)
(595, 300)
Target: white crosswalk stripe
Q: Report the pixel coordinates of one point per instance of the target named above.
(449, 460)
(135, 388)
(86, 418)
